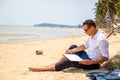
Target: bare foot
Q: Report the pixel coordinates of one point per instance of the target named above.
(34, 69)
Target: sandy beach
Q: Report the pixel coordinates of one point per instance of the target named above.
(15, 58)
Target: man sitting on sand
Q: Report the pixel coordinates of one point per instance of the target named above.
(96, 44)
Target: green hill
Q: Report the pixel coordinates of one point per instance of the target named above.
(56, 25)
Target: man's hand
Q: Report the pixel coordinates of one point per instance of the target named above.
(97, 61)
(87, 62)
(69, 51)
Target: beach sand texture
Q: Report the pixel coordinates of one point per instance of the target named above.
(15, 58)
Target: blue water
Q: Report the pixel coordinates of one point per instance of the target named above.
(21, 33)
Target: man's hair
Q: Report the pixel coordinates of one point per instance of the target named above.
(89, 23)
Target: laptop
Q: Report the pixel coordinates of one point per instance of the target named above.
(73, 57)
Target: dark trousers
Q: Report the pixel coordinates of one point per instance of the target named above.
(67, 63)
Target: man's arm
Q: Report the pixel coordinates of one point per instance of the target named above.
(77, 49)
(97, 61)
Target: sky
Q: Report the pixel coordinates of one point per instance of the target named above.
(30, 12)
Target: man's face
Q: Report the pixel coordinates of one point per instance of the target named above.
(87, 30)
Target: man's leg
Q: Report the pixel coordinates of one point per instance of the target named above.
(63, 61)
(45, 68)
(67, 63)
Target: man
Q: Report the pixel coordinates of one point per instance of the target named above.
(96, 44)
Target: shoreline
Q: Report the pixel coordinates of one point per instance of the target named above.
(29, 39)
(16, 57)
(15, 33)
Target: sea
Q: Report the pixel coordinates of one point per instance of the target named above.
(29, 33)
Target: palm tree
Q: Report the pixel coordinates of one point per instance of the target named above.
(106, 10)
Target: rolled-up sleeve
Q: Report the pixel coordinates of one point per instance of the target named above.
(103, 46)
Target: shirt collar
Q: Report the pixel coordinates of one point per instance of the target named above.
(96, 35)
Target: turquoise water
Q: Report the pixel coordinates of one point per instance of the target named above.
(21, 33)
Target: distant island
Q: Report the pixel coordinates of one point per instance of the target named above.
(56, 25)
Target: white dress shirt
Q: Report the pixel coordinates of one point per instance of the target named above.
(97, 46)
